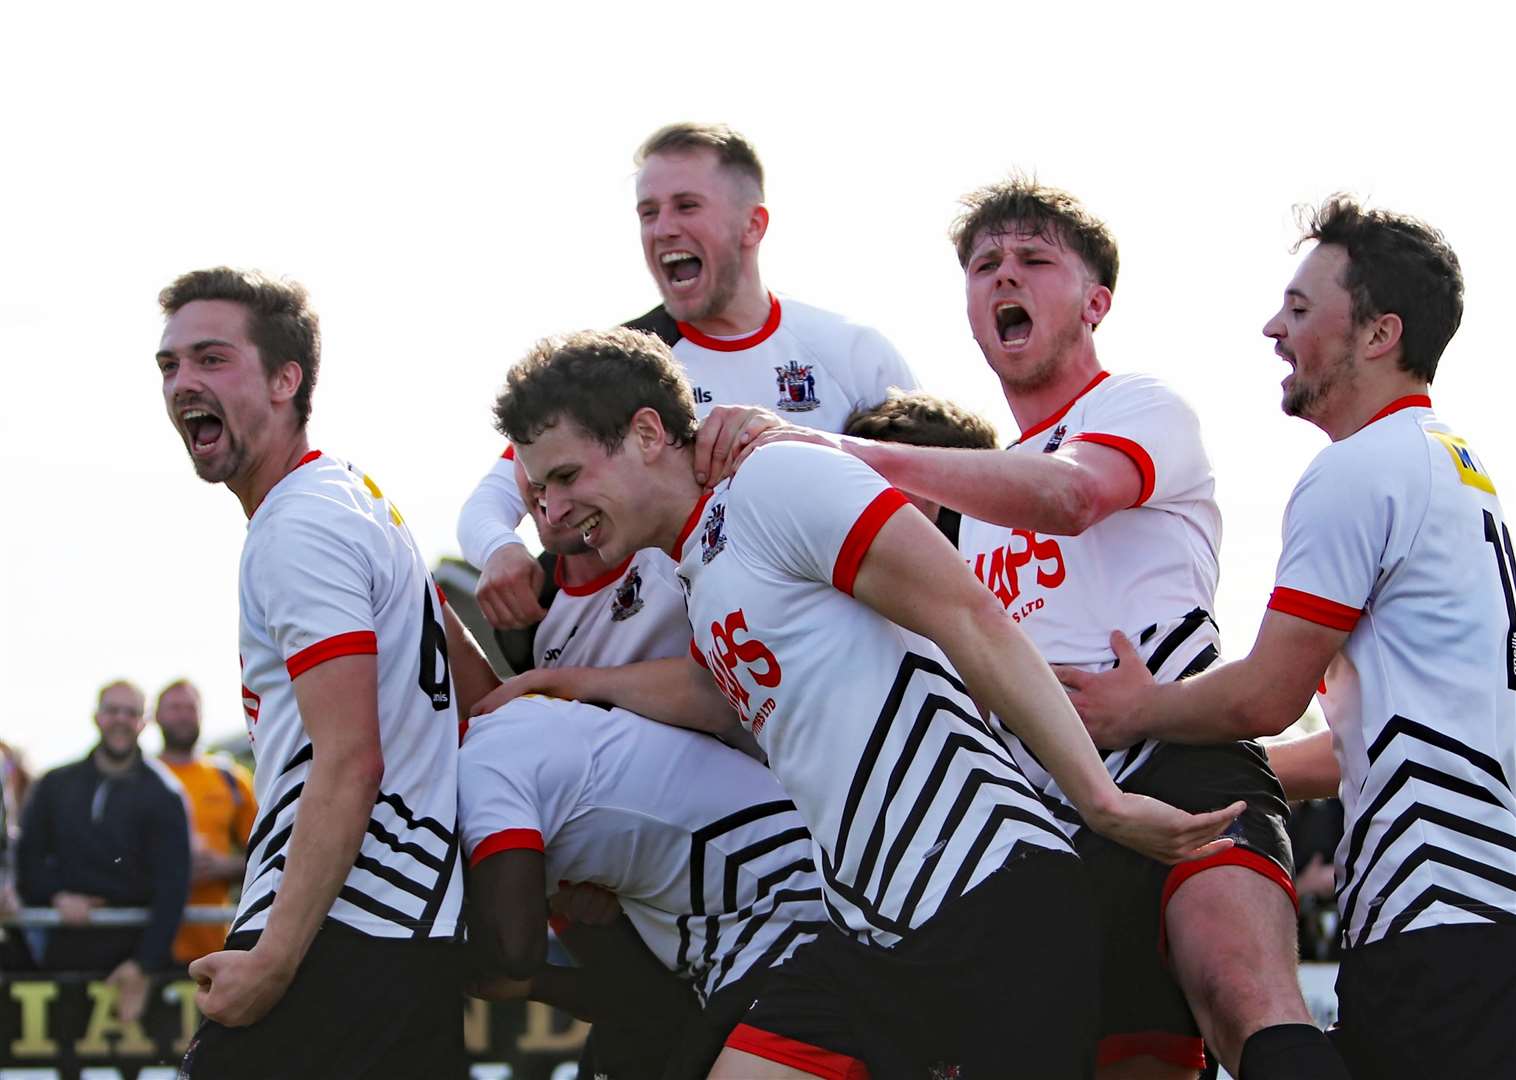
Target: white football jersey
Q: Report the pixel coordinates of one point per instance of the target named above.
(630, 613)
(329, 569)
(809, 365)
(1149, 571)
(705, 851)
(1396, 535)
(910, 798)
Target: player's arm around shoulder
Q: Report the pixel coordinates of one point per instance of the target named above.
(912, 576)
(338, 703)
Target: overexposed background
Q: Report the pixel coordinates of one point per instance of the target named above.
(452, 181)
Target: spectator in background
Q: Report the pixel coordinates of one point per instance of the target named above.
(219, 793)
(108, 831)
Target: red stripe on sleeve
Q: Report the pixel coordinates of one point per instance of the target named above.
(1312, 608)
(505, 840)
(355, 643)
(1139, 456)
(827, 1064)
(861, 535)
(1186, 1051)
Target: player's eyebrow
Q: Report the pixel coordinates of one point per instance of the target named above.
(1294, 293)
(555, 473)
(199, 346)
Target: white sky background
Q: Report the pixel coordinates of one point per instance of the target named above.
(453, 181)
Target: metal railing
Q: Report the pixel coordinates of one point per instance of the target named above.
(43, 917)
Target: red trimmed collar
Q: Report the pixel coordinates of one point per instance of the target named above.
(590, 588)
(1410, 401)
(310, 456)
(677, 551)
(1043, 425)
(757, 337)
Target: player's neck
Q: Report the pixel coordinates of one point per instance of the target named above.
(111, 765)
(678, 496)
(577, 570)
(1362, 407)
(1031, 407)
(745, 314)
(280, 461)
(177, 757)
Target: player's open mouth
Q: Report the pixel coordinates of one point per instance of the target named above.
(204, 430)
(681, 268)
(588, 527)
(1013, 324)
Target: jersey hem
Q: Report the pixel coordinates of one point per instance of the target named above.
(827, 1064)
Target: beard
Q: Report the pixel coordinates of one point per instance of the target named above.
(180, 743)
(1026, 380)
(1302, 397)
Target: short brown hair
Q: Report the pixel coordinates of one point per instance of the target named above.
(919, 419)
(177, 684)
(1397, 265)
(599, 379)
(1020, 202)
(731, 148)
(279, 319)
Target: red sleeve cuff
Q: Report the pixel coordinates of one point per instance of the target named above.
(505, 840)
(861, 536)
(1312, 608)
(1135, 452)
(355, 643)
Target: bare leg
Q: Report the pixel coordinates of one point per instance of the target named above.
(1232, 943)
(739, 1065)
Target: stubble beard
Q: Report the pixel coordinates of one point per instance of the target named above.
(726, 272)
(1029, 380)
(1303, 398)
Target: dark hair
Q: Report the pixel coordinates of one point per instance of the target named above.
(732, 150)
(279, 320)
(919, 419)
(1397, 265)
(1020, 202)
(178, 684)
(598, 379)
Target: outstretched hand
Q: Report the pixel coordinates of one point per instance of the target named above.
(1107, 701)
(1164, 833)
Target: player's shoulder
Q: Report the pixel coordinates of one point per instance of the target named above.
(532, 724)
(158, 775)
(1138, 386)
(659, 323)
(790, 470)
(819, 327)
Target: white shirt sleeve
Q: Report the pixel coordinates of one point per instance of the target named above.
(316, 581)
(491, 514)
(879, 366)
(1336, 527)
(1157, 430)
(813, 511)
(521, 772)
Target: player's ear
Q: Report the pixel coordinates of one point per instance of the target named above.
(285, 382)
(1384, 333)
(647, 432)
(1097, 305)
(757, 225)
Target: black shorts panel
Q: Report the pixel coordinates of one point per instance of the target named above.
(1000, 977)
(359, 1008)
(1429, 1004)
(1139, 996)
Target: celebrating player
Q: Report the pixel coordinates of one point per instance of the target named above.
(700, 201)
(817, 618)
(698, 842)
(340, 962)
(1395, 585)
(1103, 514)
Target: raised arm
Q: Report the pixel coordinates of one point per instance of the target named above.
(913, 577)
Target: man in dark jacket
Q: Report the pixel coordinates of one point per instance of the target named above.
(108, 831)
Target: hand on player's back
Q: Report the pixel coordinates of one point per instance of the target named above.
(723, 437)
(1107, 701)
(1163, 832)
(551, 682)
(509, 584)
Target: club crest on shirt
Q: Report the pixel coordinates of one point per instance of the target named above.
(797, 387)
(1056, 439)
(627, 600)
(713, 538)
